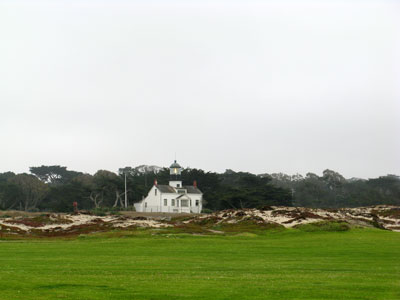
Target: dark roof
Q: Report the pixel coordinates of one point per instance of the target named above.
(183, 195)
(169, 189)
(165, 188)
(175, 165)
(192, 190)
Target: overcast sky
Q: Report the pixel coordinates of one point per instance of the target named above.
(258, 86)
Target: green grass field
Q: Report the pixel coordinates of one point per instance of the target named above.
(289, 264)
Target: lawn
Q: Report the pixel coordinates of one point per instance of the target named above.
(289, 264)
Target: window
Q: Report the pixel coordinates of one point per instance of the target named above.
(173, 202)
(190, 202)
(178, 185)
(197, 202)
(184, 203)
(165, 202)
(177, 202)
(155, 192)
(181, 191)
(145, 204)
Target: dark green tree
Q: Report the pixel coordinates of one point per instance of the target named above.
(53, 174)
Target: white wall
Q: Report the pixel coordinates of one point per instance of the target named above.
(152, 200)
(175, 183)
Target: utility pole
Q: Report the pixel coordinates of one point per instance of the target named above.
(126, 193)
(125, 171)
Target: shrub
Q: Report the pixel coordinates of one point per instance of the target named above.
(248, 225)
(324, 226)
(103, 211)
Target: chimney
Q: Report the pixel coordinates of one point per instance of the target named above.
(195, 183)
(155, 182)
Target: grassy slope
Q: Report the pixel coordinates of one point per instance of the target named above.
(358, 264)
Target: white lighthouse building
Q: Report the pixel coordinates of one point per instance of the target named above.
(173, 198)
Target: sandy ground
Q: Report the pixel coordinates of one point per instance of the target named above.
(155, 215)
(384, 217)
(81, 219)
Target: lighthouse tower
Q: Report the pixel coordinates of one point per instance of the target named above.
(175, 175)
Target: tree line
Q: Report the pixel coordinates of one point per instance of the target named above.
(55, 188)
(332, 190)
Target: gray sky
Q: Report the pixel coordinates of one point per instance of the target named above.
(258, 86)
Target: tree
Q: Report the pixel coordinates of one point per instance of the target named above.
(245, 190)
(53, 174)
(30, 189)
(386, 190)
(60, 197)
(104, 187)
(110, 186)
(333, 179)
(9, 193)
(312, 192)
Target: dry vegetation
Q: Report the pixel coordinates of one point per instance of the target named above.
(14, 224)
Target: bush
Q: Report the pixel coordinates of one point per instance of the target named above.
(103, 211)
(324, 226)
(206, 211)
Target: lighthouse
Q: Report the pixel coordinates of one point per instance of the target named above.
(175, 171)
(174, 197)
